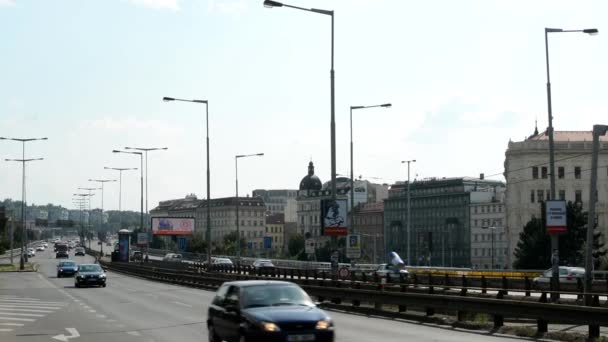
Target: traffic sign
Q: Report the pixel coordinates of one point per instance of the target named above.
(309, 246)
(344, 273)
(353, 246)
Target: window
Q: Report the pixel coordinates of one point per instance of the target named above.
(562, 195)
(531, 197)
(578, 196)
(577, 172)
(560, 172)
(540, 195)
(544, 172)
(475, 223)
(475, 209)
(548, 193)
(475, 237)
(475, 251)
(534, 172)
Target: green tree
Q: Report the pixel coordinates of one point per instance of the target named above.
(229, 244)
(295, 246)
(533, 250)
(197, 243)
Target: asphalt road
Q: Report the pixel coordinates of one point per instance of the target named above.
(40, 307)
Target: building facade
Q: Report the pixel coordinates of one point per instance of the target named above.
(275, 232)
(528, 179)
(440, 230)
(368, 221)
(279, 202)
(489, 247)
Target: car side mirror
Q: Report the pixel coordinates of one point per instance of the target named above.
(232, 308)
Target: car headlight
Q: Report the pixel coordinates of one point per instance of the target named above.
(60, 270)
(324, 325)
(102, 276)
(267, 326)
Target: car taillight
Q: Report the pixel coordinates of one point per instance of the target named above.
(569, 277)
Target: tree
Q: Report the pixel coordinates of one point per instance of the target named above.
(533, 250)
(229, 244)
(295, 246)
(198, 243)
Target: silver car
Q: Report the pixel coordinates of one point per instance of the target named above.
(391, 271)
(567, 275)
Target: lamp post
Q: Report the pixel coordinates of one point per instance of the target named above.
(554, 238)
(89, 224)
(83, 196)
(23, 206)
(270, 4)
(146, 150)
(141, 197)
(120, 170)
(409, 208)
(236, 173)
(102, 181)
(208, 232)
(492, 228)
(352, 176)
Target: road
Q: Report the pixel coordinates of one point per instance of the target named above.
(40, 307)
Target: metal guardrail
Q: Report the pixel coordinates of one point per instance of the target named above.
(17, 251)
(430, 298)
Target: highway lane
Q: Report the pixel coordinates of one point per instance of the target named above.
(134, 309)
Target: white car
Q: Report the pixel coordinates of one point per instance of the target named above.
(40, 248)
(567, 275)
(391, 271)
(46, 245)
(173, 257)
(31, 252)
(221, 261)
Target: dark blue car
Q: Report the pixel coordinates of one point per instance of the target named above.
(258, 310)
(66, 268)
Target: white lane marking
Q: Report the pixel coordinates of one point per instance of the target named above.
(100, 316)
(20, 314)
(27, 310)
(183, 304)
(134, 333)
(30, 307)
(16, 319)
(12, 324)
(92, 311)
(5, 330)
(111, 320)
(73, 334)
(130, 289)
(120, 325)
(31, 303)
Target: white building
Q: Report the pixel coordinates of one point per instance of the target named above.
(527, 175)
(281, 201)
(489, 246)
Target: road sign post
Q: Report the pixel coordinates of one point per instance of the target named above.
(353, 246)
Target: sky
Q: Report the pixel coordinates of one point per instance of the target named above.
(463, 78)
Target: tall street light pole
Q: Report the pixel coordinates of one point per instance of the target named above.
(208, 234)
(141, 197)
(554, 237)
(409, 209)
(120, 170)
(24, 239)
(89, 223)
(102, 181)
(146, 150)
(270, 4)
(236, 172)
(23, 206)
(84, 197)
(352, 176)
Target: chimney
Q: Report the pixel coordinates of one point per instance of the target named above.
(481, 176)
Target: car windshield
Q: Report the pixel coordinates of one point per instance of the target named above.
(89, 268)
(67, 264)
(274, 295)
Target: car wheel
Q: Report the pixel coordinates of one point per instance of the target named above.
(212, 335)
(103, 285)
(58, 275)
(76, 285)
(243, 338)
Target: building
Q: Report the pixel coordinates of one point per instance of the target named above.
(440, 219)
(528, 180)
(275, 233)
(368, 221)
(489, 247)
(279, 202)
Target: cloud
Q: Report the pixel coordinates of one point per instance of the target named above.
(154, 4)
(227, 6)
(7, 3)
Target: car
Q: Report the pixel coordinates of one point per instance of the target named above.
(567, 275)
(391, 272)
(40, 248)
(221, 261)
(90, 274)
(61, 251)
(258, 310)
(109, 244)
(79, 251)
(136, 256)
(66, 268)
(263, 265)
(172, 257)
(31, 252)
(46, 245)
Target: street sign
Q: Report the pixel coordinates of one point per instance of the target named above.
(267, 242)
(556, 217)
(142, 239)
(309, 246)
(353, 246)
(344, 273)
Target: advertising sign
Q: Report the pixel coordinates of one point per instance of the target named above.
(556, 217)
(267, 242)
(333, 217)
(172, 226)
(182, 243)
(123, 246)
(353, 246)
(309, 246)
(142, 239)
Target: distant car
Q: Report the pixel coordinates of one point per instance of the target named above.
(66, 268)
(40, 248)
(46, 245)
(79, 251)
(391, 272)
(263, 265)
(136, 256)
(173, 257)
(61, 251)
(258, 310)
(31, 252)
(109, 244)
(90, 274)
(567, 275)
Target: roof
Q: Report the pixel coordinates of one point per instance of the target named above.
(567, 136)
(243, 283)
(275, 219)
(311, 181)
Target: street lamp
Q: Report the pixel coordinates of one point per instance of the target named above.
(102, 181)
(409, 207)
(554, 238)
(120, 170)
(492, 228)
(89, 224)
(352, 176)
(83, 196)
(236, 172)
(270, 4)
(146, 150)
(169, 99)
(141, 197)
(23, 161)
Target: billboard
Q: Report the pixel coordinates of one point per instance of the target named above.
(353, 246)
(333, 217)
(556, 217)
(123, 246)
(142, 239)
(172, 226)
